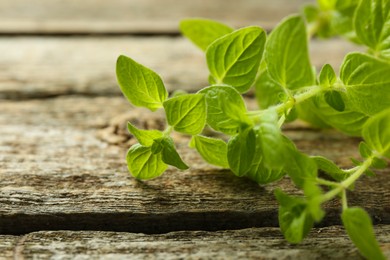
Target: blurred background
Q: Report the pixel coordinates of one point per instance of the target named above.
(59, 47)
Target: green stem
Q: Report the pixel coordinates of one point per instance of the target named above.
(344, 200)
(349, 181)
(327, 183)
(168, 131)
(309, 92)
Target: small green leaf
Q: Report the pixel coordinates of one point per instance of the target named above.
(367, 82)
(271, 141)
(226, 110)
(287, 54)
(327, 76)
(294, 220)
(348, 121)
(300, 168)
(169, 154)
(330, 168)
(234, 59)
(267, 91)
(145, 137)
(334, 99)
(359, 228)
(202, 32)
(262, 175)
(372, 25)
(140, 85)
(186, 113)
(335, 18)
(213, 151)
(259, 171)
(378, 163)
(309, 112)
(376, 133)
(143, 164)
(364, 150)
(241, 150)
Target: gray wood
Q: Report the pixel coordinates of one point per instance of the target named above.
(136, 16)
(58, 171)
(35, 67)
(251, 243)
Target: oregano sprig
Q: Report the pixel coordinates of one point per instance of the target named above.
(251, 143)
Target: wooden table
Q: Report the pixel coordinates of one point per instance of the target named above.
(65, 191)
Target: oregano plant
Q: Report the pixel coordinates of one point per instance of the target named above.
(278, 67)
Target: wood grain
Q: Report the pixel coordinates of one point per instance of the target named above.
(35, 67)
(251, 243)
(57, 173)
(136, 16)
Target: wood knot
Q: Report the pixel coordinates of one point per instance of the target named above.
(116, 133)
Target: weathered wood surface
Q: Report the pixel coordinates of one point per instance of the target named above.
(63, 141)
(253, 243)
(57, 171)
(135, 16)
(35, 67)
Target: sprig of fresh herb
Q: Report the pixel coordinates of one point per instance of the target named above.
(357, 102)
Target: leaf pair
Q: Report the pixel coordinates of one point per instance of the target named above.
(259, 152)
(151, 157)
(185, 113)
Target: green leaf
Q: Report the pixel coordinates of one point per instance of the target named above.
(240, 151)
(270, 139)
(372, 25)
(364, 150)
(259, 171)
(335, 100)
(143, 164)
(145, 137)
(307, 111)
(367, 82)
(376, 133)
(287, 55)
(234, 59)
(267, 91)
(330, 168)
(334, 18)
(140, 85)
(263, 175)
(213, 151)
(359, 228)
(202, 32)
(294, 220)
(327, 76)
(169, 154)
(186, 113)
(300, 168)
(348, 121)
(378, 163)
(226, 110)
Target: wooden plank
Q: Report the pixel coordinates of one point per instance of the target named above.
(57, 172)
(136, 16)
(7, 245)
(43, 67)
(252, 243)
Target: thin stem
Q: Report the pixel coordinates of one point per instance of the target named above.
(327, 183)
(344, 200)
(349, 181)
(168, 131)
(309, 92)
